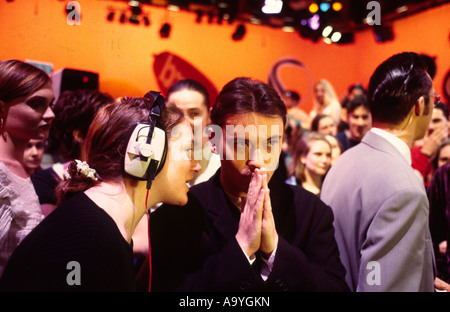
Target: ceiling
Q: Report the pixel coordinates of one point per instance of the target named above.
(295, 15)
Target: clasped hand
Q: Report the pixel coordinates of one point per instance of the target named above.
(256, 226)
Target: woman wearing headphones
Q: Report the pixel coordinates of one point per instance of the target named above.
(85, 244)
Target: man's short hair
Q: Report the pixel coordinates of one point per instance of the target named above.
(357, 101)
(396, 85)
(244, 95)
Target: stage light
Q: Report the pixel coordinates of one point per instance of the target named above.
(272, 6)
(337, 6)
(122, 18)
(146, 21)
(335, 37)
(327, 31)
(110, 16)
(314, 22)
(324, 7)
(199, 16)
(239, 33)
(164, 32)
(313, 8)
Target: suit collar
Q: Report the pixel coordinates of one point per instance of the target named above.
(384, 141)
(401, 146)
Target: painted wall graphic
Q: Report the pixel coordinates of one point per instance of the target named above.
(275, 78)
(169, 68)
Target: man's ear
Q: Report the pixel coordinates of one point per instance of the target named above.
(211, 135)
(214, 133)
(422, 107)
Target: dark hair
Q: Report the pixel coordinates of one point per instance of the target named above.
(19, 79)
(190, 84)
(356, 86)
(357, 101)
(74, 110)
(107, 138)
(396, 85)
(244, 95)
(435, 159)
(315, 122)
(444, 108)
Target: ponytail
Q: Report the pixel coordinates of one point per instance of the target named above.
(77, 178)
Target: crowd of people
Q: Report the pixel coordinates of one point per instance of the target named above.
(156, 193)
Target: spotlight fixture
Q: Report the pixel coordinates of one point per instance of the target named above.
(272, 6)
(313, 8)
(110, 16)
(239, 33)
(122, 18)
(164, 32)
(199, 16)
(337, 6)
(146, 20)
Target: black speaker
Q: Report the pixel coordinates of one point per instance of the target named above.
(73, 79)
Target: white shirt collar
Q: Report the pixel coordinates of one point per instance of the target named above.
(401, 146)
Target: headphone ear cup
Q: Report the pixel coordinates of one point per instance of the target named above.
(139, 153)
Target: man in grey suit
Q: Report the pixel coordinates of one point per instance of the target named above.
(379, 203)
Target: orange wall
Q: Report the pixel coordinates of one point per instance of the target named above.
(123, 55)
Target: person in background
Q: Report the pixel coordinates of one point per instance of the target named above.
(336, 149)
(244, 229)
(103, 198)
(32, 158)
(353, 91)
(427, 149)
(324, 124)
(292, 99)
(442, 155)
(325, 101)
(74, 112)
(26, 96)
(379, 204)
(359, 121)
(438, 192)
(193, 99)
(312, 160)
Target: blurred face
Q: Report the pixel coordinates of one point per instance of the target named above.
(258, 146)
(192, 103)
(327, 126)
(179, 168)
(318, 159)
(335, 148)
(444, 155)
(437, 121)
(319, 93)
(30, 117)
(32, 156)
(359, 122)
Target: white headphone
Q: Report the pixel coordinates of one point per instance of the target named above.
(146, 151)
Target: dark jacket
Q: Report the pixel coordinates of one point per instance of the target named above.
(194, 247)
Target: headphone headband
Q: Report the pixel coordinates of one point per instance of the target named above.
(144, 159)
